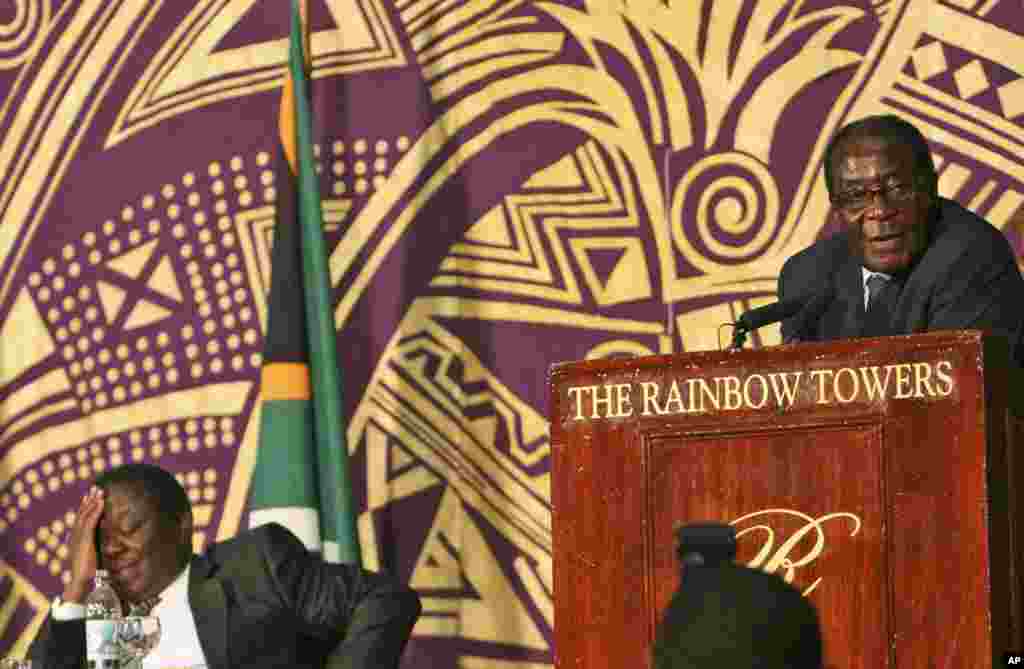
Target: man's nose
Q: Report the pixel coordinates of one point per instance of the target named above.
(879, 203)
(111, 544)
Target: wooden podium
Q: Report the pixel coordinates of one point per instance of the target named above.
(878, 476)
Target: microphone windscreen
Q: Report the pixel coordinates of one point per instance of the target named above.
(771, 313)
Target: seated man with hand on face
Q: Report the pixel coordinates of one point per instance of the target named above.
(906, 259)
(257, 600)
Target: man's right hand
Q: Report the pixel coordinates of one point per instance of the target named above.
(82, 550)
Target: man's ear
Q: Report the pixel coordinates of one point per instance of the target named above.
(834, 219)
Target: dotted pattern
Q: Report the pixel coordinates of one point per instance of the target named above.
(222, 335)
(84, 463)
(361, 167)
(212, 335)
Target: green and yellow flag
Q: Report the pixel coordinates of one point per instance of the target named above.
(301, 478)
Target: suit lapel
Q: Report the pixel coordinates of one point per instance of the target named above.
(848, 318)
(911, 313)
(209, 605)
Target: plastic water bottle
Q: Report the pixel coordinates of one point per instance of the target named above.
(102, 608)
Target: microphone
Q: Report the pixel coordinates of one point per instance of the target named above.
(809, 316)
(761, 316)
(771, 313)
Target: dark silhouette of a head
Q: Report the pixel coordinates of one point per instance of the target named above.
(726, 615)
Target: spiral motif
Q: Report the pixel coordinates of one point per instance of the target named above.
(20, 34)
(725, 211)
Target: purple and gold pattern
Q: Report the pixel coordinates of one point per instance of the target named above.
(506, 184)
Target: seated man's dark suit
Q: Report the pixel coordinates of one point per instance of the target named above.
(966, 278)
(262, 600)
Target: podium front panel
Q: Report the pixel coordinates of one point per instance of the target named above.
(808, 504)
(870, 475)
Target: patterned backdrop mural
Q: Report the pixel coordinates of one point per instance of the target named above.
(507, 184)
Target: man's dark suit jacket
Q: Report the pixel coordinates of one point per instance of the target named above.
(967, 278)
(261, 600)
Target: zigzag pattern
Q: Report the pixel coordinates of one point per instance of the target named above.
(457, 441)
(538, 255)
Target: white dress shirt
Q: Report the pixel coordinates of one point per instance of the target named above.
(866, 274)
(179, 640)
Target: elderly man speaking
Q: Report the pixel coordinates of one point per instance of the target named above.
(906, 259)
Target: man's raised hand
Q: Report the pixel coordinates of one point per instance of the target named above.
(82, 548)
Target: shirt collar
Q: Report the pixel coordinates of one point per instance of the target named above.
(866, 274)
(178, 589)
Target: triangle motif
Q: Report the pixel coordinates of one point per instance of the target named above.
(605, 261)
(399, 460)
(25, 328)
(145, 313)
(218, 49)
(615, 268)
(623, 284)
(111, 299)
(131, 263)
(561, 174)
(437, 567)
(491, 229)
(490, 608)
(255, 28)
(165, 282)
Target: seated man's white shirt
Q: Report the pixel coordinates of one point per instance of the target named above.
(179, 640)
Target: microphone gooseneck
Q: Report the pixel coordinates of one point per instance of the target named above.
(806, 311)
(761, 316)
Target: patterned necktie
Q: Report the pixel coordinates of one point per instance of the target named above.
(881, 292)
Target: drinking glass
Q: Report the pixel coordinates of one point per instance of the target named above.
(137, 635)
